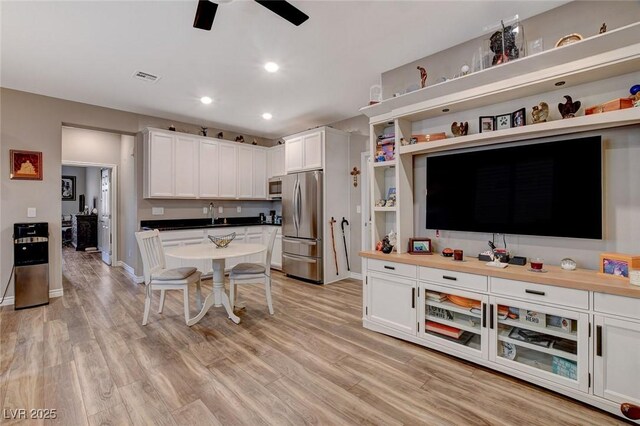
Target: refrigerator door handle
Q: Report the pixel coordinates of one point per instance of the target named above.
(295, 205)
(295, 241)
(299, 199)
(300, 258)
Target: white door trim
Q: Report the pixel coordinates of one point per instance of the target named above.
(114, 201)
(365, 203)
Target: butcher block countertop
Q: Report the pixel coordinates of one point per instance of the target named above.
(581, 279)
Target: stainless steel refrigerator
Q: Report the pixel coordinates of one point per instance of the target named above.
(302, 226)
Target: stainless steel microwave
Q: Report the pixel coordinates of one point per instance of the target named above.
(275, 188)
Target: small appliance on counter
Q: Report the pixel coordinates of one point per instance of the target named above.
(31, 261)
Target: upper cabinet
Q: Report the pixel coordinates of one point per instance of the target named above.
(304, 151)
(177, 165)
(275, 161)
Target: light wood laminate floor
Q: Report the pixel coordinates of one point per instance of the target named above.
(87, 356)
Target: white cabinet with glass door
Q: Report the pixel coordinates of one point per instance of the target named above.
(550, 343)
(454, 318)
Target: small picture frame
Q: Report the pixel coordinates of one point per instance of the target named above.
(391, 193)
(519, 118)
(419, 246)
(68, 188)
(487, 124)
(503, 121)
(25, 165)
(618, 265)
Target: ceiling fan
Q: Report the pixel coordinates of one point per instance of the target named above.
(207, 11)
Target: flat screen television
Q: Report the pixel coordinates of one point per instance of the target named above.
(549, 189)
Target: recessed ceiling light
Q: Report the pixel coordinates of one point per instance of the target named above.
(271, 66)
(206, 100)
(267, 116)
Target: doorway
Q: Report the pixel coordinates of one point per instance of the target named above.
(89, 196)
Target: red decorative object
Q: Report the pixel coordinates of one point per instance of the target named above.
(26, 165)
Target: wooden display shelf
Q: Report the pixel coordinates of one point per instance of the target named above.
(625, 117)
(384, 209)
(388, 163)
(602, 56)
(580, 279)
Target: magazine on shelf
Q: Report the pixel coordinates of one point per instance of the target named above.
(532, 337)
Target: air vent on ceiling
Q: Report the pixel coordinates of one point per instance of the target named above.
(144, 76)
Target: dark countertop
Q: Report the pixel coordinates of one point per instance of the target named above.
(184, 224)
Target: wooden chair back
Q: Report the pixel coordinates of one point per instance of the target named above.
(151, 252)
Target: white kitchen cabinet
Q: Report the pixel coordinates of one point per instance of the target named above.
(294, 155)
(228, 171)
(275, 161)
(208, 169)
(245, 172)
(617, 359)
(312, 149)
(259, 173)
(186, 152)
(391, 302)
(159, 165)
(304, 152)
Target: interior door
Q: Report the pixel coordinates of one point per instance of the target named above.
(104, 224)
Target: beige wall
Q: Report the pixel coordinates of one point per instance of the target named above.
(583, 17)
(359, 128)
(34, 122)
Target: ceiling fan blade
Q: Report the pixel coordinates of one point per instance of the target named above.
(204, 15)
(285, 10)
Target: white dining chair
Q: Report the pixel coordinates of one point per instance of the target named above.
(252, 273)
(158, 277)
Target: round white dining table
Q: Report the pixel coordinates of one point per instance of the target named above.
(218, 256)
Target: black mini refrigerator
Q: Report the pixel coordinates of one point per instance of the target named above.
(31, 261)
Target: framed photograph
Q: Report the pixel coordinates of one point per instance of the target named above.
(25, 165)
(519, 118)
(503, 121)
(419, 246)
(617, 264)
(487, 124)
(68, 188)
(391, 194)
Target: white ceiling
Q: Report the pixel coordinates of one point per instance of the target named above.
(87, 52)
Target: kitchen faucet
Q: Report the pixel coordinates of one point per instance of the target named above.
(211, 207)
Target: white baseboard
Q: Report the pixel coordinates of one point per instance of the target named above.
(356, 276)
(9, 301)
(131, 272)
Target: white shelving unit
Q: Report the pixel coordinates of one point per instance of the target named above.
(607, 55)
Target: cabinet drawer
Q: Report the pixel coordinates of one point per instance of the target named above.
(409, 271)
(616, 305)
(453, 278)
(541, 293)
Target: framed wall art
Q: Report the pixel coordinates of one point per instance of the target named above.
(25, 165)
(503, 121)
(68, 188)
(617, 264)
(518, 118)
(487, 124)
(419, 246)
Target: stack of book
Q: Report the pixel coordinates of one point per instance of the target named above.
(445, 330)
(435, 296)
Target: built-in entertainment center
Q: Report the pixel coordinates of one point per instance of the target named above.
(575, 332)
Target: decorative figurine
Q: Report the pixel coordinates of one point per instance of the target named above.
(172, 128)
(461, 129)
(423, 76)
(403, 142)
(540, 112)
(220, 135)
(254, 142)
(355, 172)
(569, 108)
(603, 28)
(381, 203)
(635, 94)
(507, 52)
(379, 246)
(280, 142)
(203, 131)
(240, 139)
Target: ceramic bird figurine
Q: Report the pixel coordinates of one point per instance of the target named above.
(461, 129)
(569, 108)
(220, 135)
(540, 112)
(423, 76)
(203, 131)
